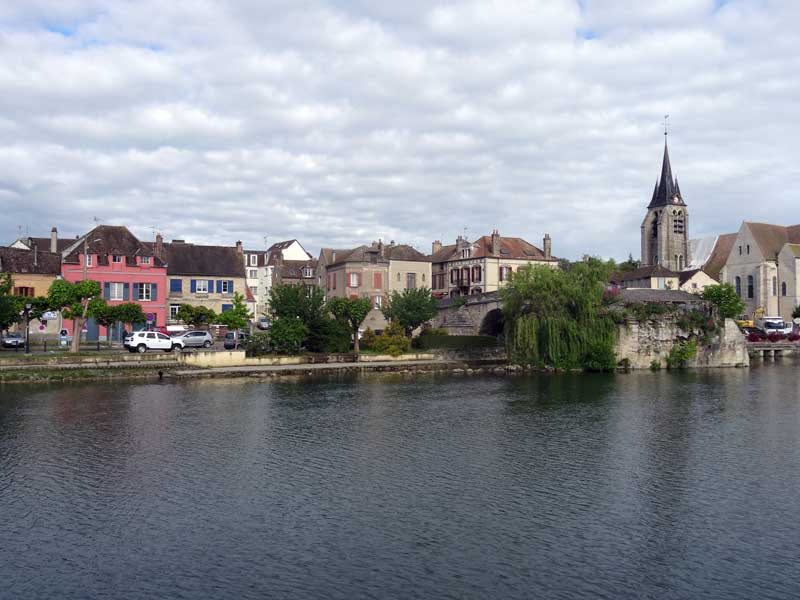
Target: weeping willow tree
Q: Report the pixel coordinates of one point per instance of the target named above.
(556, 317)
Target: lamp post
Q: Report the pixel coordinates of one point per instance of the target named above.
(27, 328)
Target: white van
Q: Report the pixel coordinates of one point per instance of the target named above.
(774, 325)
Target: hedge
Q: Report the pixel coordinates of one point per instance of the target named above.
(456, 342)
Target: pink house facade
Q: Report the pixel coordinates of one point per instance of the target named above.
(127, 271)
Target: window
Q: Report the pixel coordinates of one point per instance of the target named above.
(175, 285)
(354, 280)
(411, 281)
(28, 292)
(750, 285)
(423, 278)
(678, 223)
(680, 262)
(466, 253)
(774, 286)
(202, 286)
(377, 301)
(254, 260)
(308, 272)
(476, 274)
(225, 287)
(740, 250)
(226, 307)
(377, 280)
(115, 291)
(116, 258)
(88, 260)
(173, 311)
(254, 290)
(162, 337)
(145, 260)
(739, 286)
(252, 274)
(398, 277)
(145, 292)
(505, 273)
(783, 288)
(748, 248)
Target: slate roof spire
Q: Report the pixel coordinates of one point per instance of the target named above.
(667, 191)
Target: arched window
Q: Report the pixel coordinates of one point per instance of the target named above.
(783, 288)
(750, 286)
(774, 286)
(680, 262)
(676, 261)
(739, 286)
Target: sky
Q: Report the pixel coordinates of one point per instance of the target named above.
(339, 123)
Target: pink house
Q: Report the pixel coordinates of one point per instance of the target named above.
(126, 269)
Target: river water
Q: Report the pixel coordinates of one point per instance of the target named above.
(646, 485)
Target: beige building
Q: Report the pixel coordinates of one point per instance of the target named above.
(32, 273)
(695, 281)
(485, 265)
(762, 268)
(652, 277)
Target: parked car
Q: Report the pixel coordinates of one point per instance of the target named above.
(774, 325)
(264, 323)
(142, 341)
(234, 339)
(197, 339)
(13, 340)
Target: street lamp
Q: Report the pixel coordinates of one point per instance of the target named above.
(27, 328)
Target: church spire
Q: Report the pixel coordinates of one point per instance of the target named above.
(667, 188)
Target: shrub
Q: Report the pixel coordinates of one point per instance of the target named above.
(776, 337)
(368, 339)
(796, 312)
(258, 344)
(434, 331)
(600, 357)
(329, 336)
(456, 342)
(755, 337)
(393, 340)
(680, 353)
(287, 335)
(793, 337)
(655, 365)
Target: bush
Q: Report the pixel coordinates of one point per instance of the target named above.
(392, 341)
(599, 357)
(287, 335)
(655, 365)
(776, 337)
(796, 312)
(793, 337)
(456, 342)
(329, 336)
(434, 331)
(680, 353)
(257, 344)
(368, 339)
(755, 337)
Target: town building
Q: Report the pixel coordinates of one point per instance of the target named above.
(763, 268)
(127, 270)
(32, 272)
(258, 278)
(53, 244)
(651, 277)
(485, 265)
(201, 275)
(664, 230)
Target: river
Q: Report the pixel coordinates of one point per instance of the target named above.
(642, 485)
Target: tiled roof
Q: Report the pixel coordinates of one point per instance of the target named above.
(719, 255)
(771, 238)
(105, 240)
(191, 259)
(644, 272)
(444, 254)
(293, 269)
(404, 252)
(510, 247)
(360, 254)
(329, 255)
(44, 243)
(667, 296)
(685, 276)
(16, 260)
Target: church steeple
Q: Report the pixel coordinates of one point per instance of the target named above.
(667, 191)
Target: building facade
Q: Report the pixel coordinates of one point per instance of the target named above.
(485, 265)
(664, 230)
(32, 272)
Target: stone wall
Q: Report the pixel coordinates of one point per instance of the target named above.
(643, 342)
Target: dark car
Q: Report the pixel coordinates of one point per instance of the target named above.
(13, 340)
(234, 339)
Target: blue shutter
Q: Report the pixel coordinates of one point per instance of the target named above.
(126, 291)
(219, 286)
(193, 286)
(154, 292)
(230, 286)
(176, 285)
(210, 286)
(106, 291)
(135, 291)
(226, 307)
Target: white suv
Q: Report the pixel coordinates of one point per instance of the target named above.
(142, 341)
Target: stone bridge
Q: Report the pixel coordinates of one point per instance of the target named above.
(479, 314)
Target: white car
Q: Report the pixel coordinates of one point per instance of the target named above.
(142, 341)
(774, 325)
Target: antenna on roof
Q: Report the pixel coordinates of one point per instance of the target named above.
(97, 221)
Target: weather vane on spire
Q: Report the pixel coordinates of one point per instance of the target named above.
(666, 125)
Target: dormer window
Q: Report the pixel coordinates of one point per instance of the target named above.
(116, 258)
(307, 272)
(466, 253)
(87, 260)
(145, 260)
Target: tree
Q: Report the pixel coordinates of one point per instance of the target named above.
(297, 301)
(10, 307)
(195, 315)
(725, 298)
(104, 314)
(236, 317)
(796, 312)
(73, 299)
(629, 265)
(130, 313)
(287, 335)
(351, 312)
(411, 308)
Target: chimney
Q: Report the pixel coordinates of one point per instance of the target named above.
(158, 250)
(380, 248)
(239, 247)
(436, 246)
(495, 242)
(54, 240)
(547, 246)
(333, 256)
(35, 254)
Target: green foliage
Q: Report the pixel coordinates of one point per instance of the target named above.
(329, 336)
(297, 301)
(368, 339)
(629, 265)
(410, 308)
(130, 313)
(796, 312)
(458, 301)
(556, 317)
(258, 344)
(10, 305)
(70, 298)
(655, 365)
(725, 298)
(351, 312)
(102, 312)
(236, 317)
(644, 311)
(196, 315)
(434, 331)
(680, 353)
(392, 340)
(455, 342)
(287, 335)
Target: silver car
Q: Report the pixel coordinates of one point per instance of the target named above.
(197, 339)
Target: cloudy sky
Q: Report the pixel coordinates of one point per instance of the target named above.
(341, 122)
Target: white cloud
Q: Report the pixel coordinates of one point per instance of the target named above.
(338, 123)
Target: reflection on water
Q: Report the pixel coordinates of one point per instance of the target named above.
(645, 485)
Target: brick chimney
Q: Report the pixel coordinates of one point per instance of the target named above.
(158, 249)
(495, 242)
(54, 240)
(35, 254)
(380, 248)
(436, 246)
(547, 246)
(461, 243)
(239, 247)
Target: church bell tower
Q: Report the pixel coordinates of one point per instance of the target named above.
(665, 228)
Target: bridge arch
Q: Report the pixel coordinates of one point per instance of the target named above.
(493, 323)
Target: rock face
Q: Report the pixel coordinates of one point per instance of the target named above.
(642, 342)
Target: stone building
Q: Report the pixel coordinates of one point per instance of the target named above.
(32, 272)
(664, 230)
(466, 268)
